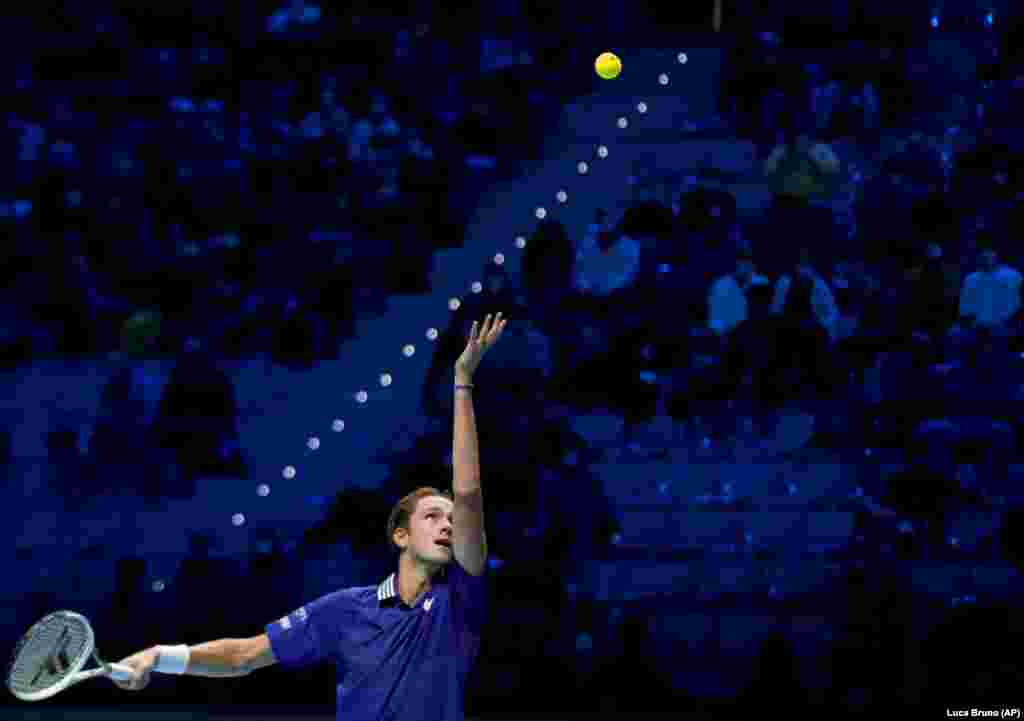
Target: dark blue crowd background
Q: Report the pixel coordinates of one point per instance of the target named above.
(800, 489)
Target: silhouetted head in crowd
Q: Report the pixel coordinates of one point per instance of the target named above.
(988, 260)
(550, 233)
(378, 106)
(804, 263)
(745, 267)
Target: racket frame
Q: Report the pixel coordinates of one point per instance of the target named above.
(75, 673)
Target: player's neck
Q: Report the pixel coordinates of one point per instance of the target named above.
(413, 579)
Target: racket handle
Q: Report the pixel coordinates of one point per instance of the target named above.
(120, 672)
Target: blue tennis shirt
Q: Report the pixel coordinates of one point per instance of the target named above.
(395, 662)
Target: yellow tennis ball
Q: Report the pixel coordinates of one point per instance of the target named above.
(608, 65)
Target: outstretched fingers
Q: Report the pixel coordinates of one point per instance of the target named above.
(488, 331)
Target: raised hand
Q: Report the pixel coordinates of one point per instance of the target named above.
(481, 337)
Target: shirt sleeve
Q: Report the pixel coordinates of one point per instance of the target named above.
(311, 633)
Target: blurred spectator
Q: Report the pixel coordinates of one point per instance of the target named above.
(547, 265)
(614, 377)
(606, 263)
(296, 14)
(654, 220)
(120, 449)
(66, 467)
(141, 332)
(605, 273)
(704, 246)
(738, 312)
(804, 168)
(868, 324)
(373, 138)
(826, 95)
(805, 319)
(930, 305)
(196, 421)
(790, 212)
(730, 303)
(991, 295)
(803, 296)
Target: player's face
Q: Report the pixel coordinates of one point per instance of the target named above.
(431, 523)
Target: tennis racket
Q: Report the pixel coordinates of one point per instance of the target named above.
(50, 656)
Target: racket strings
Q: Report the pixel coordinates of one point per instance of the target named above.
(46, 654)
(58, 661)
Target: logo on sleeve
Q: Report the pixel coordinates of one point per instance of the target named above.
(300, 616)
(428, 603)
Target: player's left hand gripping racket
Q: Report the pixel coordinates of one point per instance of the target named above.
(50, 656)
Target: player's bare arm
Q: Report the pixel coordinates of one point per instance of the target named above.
(216, 659)
(255, 653)
(469, 541)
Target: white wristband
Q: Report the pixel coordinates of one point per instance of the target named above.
(171, 659)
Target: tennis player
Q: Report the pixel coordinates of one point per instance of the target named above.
(404, 647)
